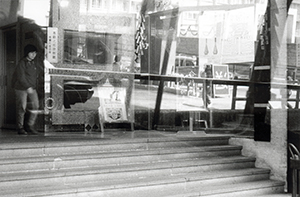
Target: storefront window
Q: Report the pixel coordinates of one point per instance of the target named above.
(90, 48)
(99, 4)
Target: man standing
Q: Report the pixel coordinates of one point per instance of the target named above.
(25, 83)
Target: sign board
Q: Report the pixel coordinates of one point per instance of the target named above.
(52, 44)
(112, 103)
(220, 72)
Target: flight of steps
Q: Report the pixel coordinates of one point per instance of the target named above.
(139, 167)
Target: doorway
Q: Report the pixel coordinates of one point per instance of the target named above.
(10, 61)
(12, 40)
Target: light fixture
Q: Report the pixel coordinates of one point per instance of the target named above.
(63, 3)
(206, 48)
(215, 47)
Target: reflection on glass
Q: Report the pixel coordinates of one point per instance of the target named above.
(90, 48)
(8, 12)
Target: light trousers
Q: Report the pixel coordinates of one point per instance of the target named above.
(26, 102)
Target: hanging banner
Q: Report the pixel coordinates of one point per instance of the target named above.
(239, 35)
(52, 45)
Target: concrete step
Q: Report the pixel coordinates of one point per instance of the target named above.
(245, 189)
(166, 167)
(59, 164)
(118, 157)
(181, 182)
(53, 146)
(162, 166)
(221, 150)
(275, 195)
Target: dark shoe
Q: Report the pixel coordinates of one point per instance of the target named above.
(31, 130)
(22, 132)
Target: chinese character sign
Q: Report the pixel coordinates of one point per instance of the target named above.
(220, 72)
(52, 44)
(112, 103)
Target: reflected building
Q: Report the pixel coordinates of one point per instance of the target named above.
(92, 33)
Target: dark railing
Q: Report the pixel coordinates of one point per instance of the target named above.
(234, 83)
(65, 74)
(205, 81)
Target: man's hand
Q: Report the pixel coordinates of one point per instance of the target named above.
(30, 90)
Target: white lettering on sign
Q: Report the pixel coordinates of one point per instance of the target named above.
(52, 44)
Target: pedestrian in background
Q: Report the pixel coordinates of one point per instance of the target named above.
(207, 73)
(117, 64)
(25, 84)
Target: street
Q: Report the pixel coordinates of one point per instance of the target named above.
(146, 99)
(143, 98)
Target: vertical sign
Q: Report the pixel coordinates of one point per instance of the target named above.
(52, 44)
(220, 72)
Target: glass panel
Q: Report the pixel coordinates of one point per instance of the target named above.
(210, 45)
(90, 83)
(90, 48)
(144, 100)
(204, 58)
